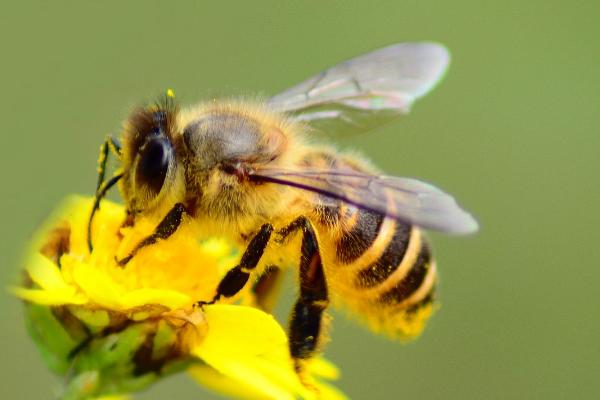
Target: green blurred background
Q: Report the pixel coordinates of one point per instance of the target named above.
(512, 132)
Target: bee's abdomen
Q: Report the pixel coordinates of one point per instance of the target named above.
(393, 271)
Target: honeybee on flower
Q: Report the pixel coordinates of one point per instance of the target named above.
(251, 173)
(218, 199)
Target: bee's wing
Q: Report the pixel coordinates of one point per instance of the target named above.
(368, 90)
(407, 200)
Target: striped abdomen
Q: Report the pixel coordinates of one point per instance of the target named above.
(383, 269)
(378, 267)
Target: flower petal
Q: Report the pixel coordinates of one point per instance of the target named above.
(53, 297)
(44, 272)
(99, 287)
(244, 370)
(218, 382)
(238, 331)
(249, 346)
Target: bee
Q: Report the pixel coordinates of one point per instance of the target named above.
(252, 172)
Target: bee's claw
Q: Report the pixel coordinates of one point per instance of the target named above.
(123, 261)
(202, 303)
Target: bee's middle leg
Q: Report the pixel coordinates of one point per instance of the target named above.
(164, 230)
(237, 277)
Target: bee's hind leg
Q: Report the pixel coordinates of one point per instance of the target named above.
(237, 277)
(164, 230)
(306, 320)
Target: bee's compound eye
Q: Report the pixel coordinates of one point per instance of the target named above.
(154, 164)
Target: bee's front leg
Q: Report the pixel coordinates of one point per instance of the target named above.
(110, 145)
(165, 229)
(236, 278)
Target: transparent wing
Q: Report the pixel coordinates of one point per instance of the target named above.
(368, 90)
(404, 199)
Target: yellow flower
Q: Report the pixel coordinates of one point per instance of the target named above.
(114, 330)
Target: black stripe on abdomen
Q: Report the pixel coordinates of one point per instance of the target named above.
(355, 242)
(389, 261)
(412, 281)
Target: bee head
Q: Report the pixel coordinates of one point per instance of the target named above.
(149, 159)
